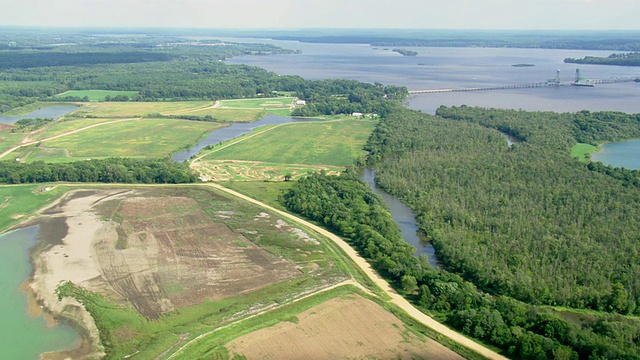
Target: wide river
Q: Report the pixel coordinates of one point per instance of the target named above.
(459, 68)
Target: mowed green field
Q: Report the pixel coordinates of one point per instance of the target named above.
(232, 110)
(96, 95)
(262, 103)
(336, 143)
(136, 138)
(138, 109)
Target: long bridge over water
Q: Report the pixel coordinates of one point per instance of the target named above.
(549, 83)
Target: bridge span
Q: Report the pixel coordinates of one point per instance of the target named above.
(550, 83)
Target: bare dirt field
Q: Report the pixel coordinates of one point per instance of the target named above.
(164, 252)
(351, 327)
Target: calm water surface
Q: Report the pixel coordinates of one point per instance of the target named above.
(623, 154)
(447, 68)
(404, 217)
(51, 112)
(24, 336)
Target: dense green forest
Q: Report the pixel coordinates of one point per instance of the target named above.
(626, 59)
(527, 221)
(349, 207)
(112, 170)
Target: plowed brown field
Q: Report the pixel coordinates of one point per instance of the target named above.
(343, 328)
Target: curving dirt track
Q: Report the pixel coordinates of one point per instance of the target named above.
(379, 281)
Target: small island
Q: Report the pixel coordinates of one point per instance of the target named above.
(406, 52)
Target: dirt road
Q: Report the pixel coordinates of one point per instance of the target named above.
(379, 281)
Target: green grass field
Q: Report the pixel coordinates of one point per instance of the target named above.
(336, 143)
(9, 139)
(226, 110)
(135, 138)
(96, 95)
(582, 151)
(262, 103)
(138, 109)
(18, 202)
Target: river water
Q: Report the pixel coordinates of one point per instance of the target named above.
(24, 336)
(404, 217)
(458, 68)
(49, 112)
(623, 154)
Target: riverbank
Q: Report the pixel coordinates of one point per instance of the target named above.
(65, 253)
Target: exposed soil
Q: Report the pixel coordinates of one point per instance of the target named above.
(342, 328)
(166, 253)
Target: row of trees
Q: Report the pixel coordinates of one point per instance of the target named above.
(112, 170)
(624, 59)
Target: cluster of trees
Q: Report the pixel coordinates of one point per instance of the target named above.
(112, 170)
(349, 206)
(406, 52)
(24, 125)
(330, 97)
(620, 59)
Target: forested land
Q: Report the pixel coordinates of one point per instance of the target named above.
(348, 206)
(623, 59)
(517, 229)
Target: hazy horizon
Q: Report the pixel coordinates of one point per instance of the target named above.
(478, 15)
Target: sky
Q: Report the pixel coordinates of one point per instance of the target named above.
(296, 14)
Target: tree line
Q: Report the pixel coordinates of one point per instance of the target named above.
(111, 170)
(619, 59)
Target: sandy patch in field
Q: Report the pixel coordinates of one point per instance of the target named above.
(70, 258)
(342, 328)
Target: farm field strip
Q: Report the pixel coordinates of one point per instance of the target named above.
(223, 170)
(299, 298)
(33, 142)
(335, 143)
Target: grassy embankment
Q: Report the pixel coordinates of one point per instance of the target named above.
(295, 149)
(19, 202)
(583, 151)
